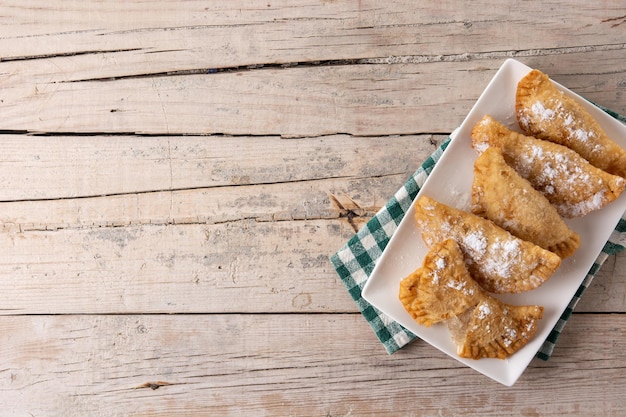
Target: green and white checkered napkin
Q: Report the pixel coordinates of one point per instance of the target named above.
(356, 260)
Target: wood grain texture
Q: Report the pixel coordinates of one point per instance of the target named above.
(607, 292)
(369, 99)
(112, 165)
(152, 71)
(271, 365)
(130, 39)
(175, 175)
(242, 266)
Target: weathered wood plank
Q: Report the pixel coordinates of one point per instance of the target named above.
(305, 200)
(115, 39)
(608, 290)
(284, 365)
(362, 99)
(51, 167)
(374, 99)
(242, 266)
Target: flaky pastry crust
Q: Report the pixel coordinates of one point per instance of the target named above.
(568, 181)
(441, 288)
(494, 329)
(501, 195)
(545, 112)
(497, 260)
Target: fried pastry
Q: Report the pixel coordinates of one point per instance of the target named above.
(497, 260)
(547, 113)
(494, 329)
(441, 288)
(501, 195)
(568, 181)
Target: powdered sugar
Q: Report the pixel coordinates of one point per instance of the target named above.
(481, 147)
(559, 174)
(568, 120)
(528, 329)
(475, 243)
(440, 263)
(509, 336)
(483, 311)
(456, 285)
(504, 254)
(581, 134)
(496, 260)
(461, 286)
(541, 111)
(536, 152)
(595, 202)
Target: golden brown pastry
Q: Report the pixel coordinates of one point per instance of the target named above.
(494, 329)
(568, 181)
(546, 113)
(497, 260)
(501, 195)
(442, 288)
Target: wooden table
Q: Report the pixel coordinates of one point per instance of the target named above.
(175, 174)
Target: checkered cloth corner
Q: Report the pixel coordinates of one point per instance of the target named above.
(355, 261)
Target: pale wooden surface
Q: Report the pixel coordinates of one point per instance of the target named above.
(170, 176)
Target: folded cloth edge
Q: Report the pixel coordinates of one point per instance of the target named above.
(355, 261)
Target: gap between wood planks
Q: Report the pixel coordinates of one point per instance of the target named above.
(340, 206)
(354, 215)
(406, 59)
(350, 215)
(216, 134)
(67, 54)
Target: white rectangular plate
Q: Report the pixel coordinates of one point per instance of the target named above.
(450, 183)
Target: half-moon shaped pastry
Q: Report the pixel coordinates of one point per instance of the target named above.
(546, 113)
(441, 288)
(497, 260)
(494, 329)
(501, 195)
(568, 181)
